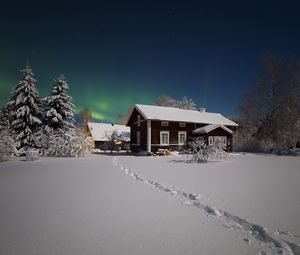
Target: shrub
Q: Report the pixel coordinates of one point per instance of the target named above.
(61, 144)
(201, 152)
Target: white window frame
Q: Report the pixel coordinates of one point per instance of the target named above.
(224, 141)
(139, 120)
(138, 137)
(182, 124)
(161, 134)
(181, 133)
(210, 140)
(164, 123)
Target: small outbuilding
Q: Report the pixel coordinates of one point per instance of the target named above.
(102, 134)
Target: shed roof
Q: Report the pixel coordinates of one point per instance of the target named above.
(153, 112)
(102, 131)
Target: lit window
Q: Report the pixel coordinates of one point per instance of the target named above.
(182, 124)
(164, 138)
(181, 138)
(165, 123)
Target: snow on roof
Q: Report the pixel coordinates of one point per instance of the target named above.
(153, 112)
(208, 128)
(102, 131)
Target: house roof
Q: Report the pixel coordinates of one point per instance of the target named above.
(209, 128)
(153, 112)
(102, 131)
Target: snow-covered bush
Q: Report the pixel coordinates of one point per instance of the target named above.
(7, 145)
(32, 155)
(4, 118)
(201, 152)
(69, 144)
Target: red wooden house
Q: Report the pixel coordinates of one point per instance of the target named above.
(156, 127)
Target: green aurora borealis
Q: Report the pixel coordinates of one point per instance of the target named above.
(104, 102)
(115, 54)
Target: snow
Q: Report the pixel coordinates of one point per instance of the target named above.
(122, 204)
(153, 112)
(103, 131)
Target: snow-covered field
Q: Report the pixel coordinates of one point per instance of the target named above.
(122, 204)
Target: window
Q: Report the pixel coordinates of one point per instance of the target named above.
(224, 141)
(182, 124)
(164, 137)
(217, 140)
(181, 138)
(139, 120)
(165, 123)
(138, 137)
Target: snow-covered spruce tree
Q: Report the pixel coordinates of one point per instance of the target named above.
(25, 112)
(63, 139)
(59, 108)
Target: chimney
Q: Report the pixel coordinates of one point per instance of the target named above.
(201, 109)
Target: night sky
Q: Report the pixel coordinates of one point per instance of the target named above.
(118, 53)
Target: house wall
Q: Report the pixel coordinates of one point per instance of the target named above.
(104, 145)
(133, 133)
(98, 144)
(174, 128)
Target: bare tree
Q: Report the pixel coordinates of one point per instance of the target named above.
(123, 117)
(183, 103)
(270, 108)
(85, 117)
(186, 103)
(164, 100)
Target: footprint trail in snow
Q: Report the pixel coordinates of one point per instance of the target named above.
(265, 241)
